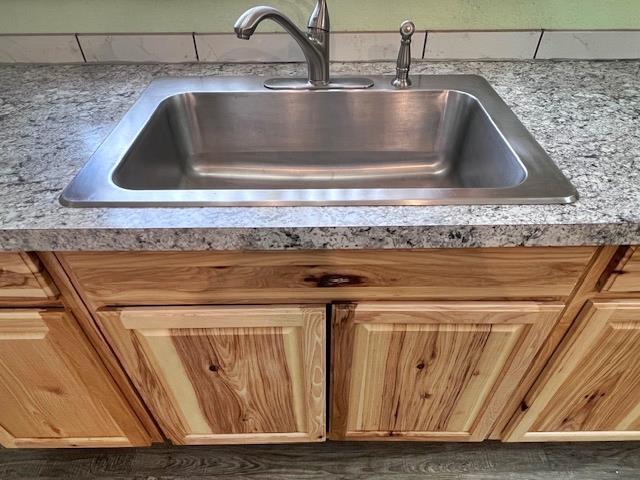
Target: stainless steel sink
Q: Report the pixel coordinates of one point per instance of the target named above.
(231, 141)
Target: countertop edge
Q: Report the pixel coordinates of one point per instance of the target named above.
(319, 238)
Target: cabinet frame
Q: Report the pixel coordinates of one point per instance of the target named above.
(324, 276)
(625, 275)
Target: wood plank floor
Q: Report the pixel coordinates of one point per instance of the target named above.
(395, 461)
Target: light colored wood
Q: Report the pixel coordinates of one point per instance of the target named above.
(626, 276)
(609, 436)
(588, 285)
(408, 436)
(204, 317)
(591, 388)
(73, 303)
(246, 439)
(430, 371)
(25, 324)
(54, 390)
(184, 278)
(22, 278)
(226, 374)
(80, 442)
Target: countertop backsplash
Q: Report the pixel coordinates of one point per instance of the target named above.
(346, 46)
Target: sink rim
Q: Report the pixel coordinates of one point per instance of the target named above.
(94, 185)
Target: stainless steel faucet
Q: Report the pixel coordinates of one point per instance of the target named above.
(314, 45)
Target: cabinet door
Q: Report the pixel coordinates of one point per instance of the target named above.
(591, 388)
(427, 371)
(226, 374)
(54, 392)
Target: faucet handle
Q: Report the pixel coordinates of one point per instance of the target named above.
(407, 29)
(402, 80)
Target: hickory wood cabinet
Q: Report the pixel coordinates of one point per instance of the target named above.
(54, 389)
(226, 374)
(188, 328)
(24, 281)
(430, 371)
(591, 388)
(230, 347)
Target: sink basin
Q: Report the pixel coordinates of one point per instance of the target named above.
(230, 141)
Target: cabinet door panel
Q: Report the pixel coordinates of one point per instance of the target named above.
(591, 389)
(22, 278)
(430, 371)
(226, 374)
(53, 389)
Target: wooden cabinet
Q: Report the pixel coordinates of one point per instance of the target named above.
(433, 344)
(226, 374)
(22, 278)
(54, 391)
(430, 371)
(626, 276)
(591, 388)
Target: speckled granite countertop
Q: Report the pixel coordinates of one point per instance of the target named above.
(585, 114)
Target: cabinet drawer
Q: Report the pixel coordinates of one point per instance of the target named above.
(183, 278)
(626, 277)
(22, 278)
(222, 375)
(54, 390)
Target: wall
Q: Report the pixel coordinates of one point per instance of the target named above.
(145, 16)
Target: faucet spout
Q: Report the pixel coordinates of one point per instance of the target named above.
(247, 23)
(314, 44)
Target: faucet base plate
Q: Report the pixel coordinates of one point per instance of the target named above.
(344, 83)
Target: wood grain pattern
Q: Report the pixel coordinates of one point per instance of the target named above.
(22, 277)
(70, 442)
(591, 388)
(626, 276)
(334, 460)
(430, 371)
(22, 324)
(184, 278)
(53, 388)
(588, 285)
(226, 374)
(141, 429)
